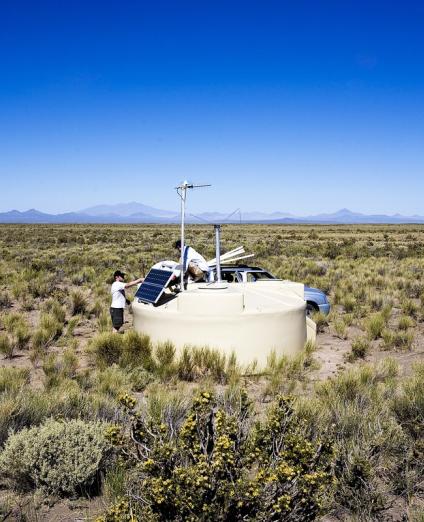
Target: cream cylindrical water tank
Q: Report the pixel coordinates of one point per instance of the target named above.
(250, 319)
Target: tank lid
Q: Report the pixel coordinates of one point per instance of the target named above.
(213, 286)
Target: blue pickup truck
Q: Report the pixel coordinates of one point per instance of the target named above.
(316, 300)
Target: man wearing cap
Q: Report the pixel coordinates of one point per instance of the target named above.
(194, 264)
(118, 298)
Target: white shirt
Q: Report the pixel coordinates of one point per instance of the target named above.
(118, 299)
(191, 256)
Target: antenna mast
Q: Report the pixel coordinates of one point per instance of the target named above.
(182, 192)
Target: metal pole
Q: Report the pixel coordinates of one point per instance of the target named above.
(183, 199)
(218, 252)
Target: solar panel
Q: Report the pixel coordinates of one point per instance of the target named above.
(153, 286)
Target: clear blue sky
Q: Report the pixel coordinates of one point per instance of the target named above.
(299, 106)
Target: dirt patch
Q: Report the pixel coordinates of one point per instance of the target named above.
(32, 508)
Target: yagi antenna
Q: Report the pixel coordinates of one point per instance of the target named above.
(182, 192)
(222, 221)
(201, 219)
(232, 214)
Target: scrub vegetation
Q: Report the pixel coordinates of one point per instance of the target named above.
(115, 427)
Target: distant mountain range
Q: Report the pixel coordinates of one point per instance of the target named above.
(138, 213)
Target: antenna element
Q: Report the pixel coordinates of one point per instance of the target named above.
(182, 192)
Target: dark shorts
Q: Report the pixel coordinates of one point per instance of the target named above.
(117, 316)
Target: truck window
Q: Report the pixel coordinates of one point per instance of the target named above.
(230, 277)
(255, 276)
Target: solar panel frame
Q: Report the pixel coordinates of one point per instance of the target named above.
(153, 286)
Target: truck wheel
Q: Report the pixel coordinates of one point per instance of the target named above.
(311, 308)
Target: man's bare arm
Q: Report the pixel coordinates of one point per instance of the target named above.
(135, 282)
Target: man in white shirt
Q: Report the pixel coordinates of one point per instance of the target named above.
(118, 298)
(194, 264)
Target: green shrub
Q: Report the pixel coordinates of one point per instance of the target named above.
(13, 379)
(67, 400)
(387, 311)
(78, 303)
(19, 289)
(405, 322)
(51, 325)
(112, 381)
(402, 339)
(210, 362)
(415, 289)
(71, 325)
(27, 303)
(56, 368)
(140, 378)
(374, 326)
(21, 337)
(40, 340)
(53, 307)
(408, 403)
(320, 320)
(282, 373)
(98, 308)
(408, 406)
(129, 350)
(368, 440)
(13, 320)
(167, 407)
(360, 348)
(114, 490)
(5, 300)
(375, 301)
(106, 349)
(18, 330)
(6, 346)
(165, 356)
(185, 365)
(348, 319)
(104, 323)
(60, 458)
(51, 370)
(42, 285)
(47, 332)
(409, 307)
(349, 303)
(84, 276)
(69, 362)
(199, 362)
(340, 329)
(137, 351)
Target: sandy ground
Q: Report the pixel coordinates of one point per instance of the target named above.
(332, 352)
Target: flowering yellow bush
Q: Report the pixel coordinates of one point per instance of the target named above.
(218, 466)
